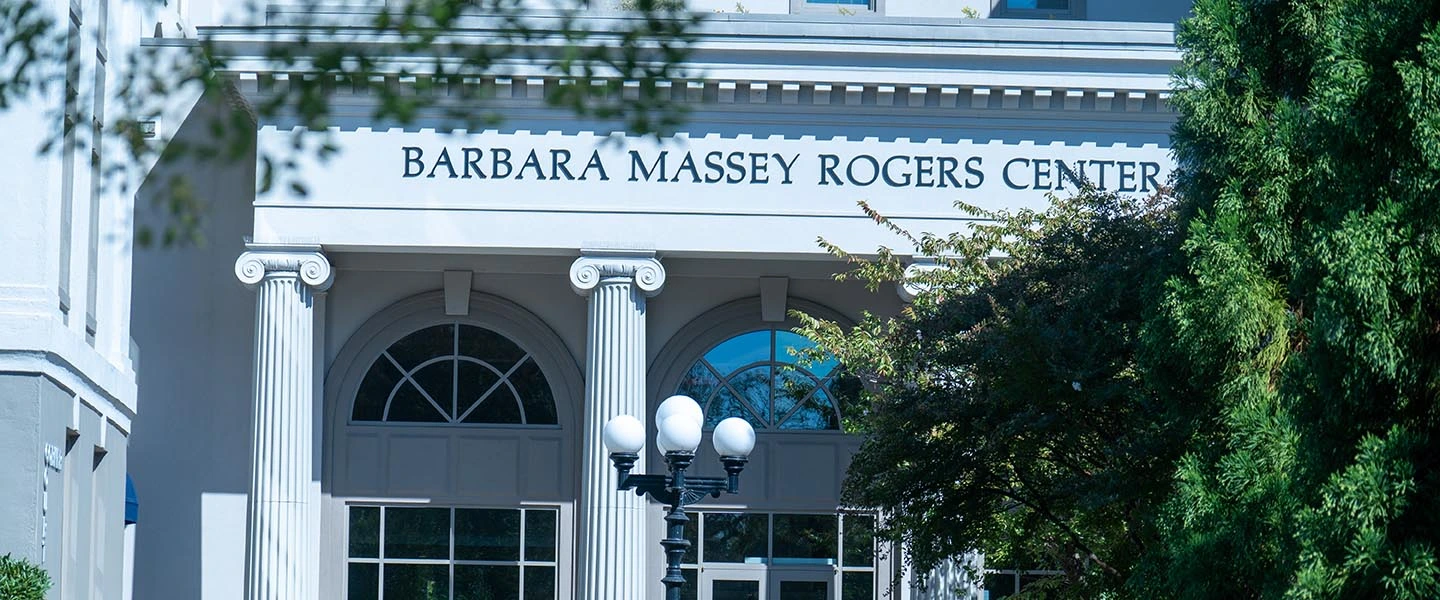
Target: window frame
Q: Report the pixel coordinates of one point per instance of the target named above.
(1076, 12)
(808, 7)
(380, 560)
(502, 383)
(693, 340)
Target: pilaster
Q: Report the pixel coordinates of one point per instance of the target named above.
(612, 523)
(280, 544)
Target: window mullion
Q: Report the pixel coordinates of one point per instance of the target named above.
(455, 378)
(452, 548)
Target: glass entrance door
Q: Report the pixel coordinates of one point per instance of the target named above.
(802, 584)
(733, 584)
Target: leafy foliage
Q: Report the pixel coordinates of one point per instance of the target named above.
(1010, 412)
(432, 59)
(20, 580)
(1308, 146)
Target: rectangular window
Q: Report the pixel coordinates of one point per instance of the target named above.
(430, 553)
(837, 7)
(756, 542)
(1041, 9)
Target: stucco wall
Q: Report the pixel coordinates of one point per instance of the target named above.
(194, 324)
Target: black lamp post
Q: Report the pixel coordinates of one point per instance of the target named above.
(678, 423)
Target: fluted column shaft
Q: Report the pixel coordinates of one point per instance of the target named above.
(278, 542)
(612, 523)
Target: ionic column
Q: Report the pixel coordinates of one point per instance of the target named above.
(612, 523)
(278, 537)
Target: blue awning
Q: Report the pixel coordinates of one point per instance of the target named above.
(132, 504)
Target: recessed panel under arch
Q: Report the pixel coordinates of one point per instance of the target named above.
(476, 410)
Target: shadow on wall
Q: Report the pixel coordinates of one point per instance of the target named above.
(193, 324)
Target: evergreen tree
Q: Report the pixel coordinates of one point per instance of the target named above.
(1307, 322)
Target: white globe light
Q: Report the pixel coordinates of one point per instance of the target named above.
(679, 405)
(679, 434)
(734, 437)
(624, 434)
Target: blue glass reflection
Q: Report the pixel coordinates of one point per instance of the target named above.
(789, 346)
(739, 351)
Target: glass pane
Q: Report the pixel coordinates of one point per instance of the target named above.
(475, 379)
(845, 390)
(840, 2)
(477, 582)
(791, 388)
(806, 536)
(364, 582)
(500, 407)
(857, 586)
(487, 534)
(539, 535)
(699, 383)
(409, 406)
(416, 533)
(1040, 4)
(534, 393)
(423, 345)
(735, 590)
(788, 341)
(690, 590)
(539, 583)
(374, 390)
(489, 347)
(736, 538)
(417, 582)
(817, 413)
(365, 532)
(999, 585)
(859, 541)
(804, 590)
(753, 385)
(692, 533)
(735, 353)
(438, 380)
(726, 405)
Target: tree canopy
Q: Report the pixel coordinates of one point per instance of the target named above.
(320, 50)
(1254, 405)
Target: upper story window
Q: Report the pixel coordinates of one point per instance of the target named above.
(759, 377)
(837, 6)
(455, 373)
(1054, 9)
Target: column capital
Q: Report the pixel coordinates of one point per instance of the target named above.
(305, 262)
(634, 266)
(914, 282)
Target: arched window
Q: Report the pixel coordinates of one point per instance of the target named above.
(760, 376)
(455, 373)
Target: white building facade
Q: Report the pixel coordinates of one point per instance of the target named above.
(393, 385)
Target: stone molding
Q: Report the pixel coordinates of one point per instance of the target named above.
(533, 90)
(639, 267)
(306, 262)
(908, 288)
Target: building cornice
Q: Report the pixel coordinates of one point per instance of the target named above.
(776, 60)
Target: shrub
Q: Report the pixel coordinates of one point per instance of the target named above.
(20, 580)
